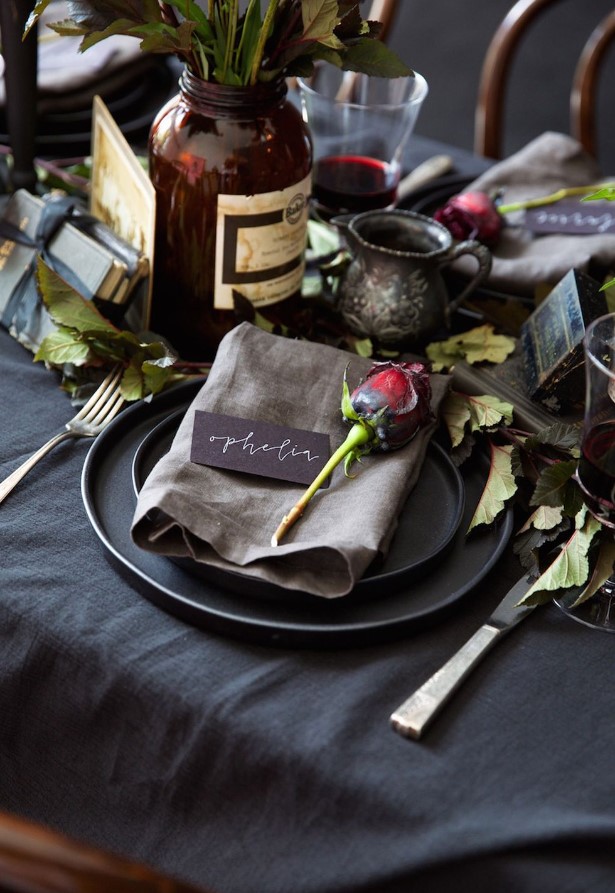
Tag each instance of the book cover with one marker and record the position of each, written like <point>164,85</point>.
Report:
<point>88,266</point>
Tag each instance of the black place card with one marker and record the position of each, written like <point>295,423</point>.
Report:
<point>257,447</point>
<point>572,217</point>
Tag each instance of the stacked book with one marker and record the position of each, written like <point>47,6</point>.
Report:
<point>85,252</point>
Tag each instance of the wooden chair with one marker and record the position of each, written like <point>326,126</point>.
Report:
<point>384,11</point>
<point>36,860</point>
<point>585,83</point>
<point>496,70</point>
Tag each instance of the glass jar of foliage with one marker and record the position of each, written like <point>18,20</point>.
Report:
<point>230,156</point>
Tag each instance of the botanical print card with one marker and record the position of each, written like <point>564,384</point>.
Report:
<point>122,194</point>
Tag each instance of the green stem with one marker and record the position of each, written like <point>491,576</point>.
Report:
<point>357,436</point>
<point>549,199</point>
<point>262,40</point>
<point>233,16</point>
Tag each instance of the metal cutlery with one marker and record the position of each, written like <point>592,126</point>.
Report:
<point>100,409</point>
<point>428,170</point>
<point>417,712</point>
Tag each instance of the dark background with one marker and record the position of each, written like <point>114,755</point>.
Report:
<point>446,42</point>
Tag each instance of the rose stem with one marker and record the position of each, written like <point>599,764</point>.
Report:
<point>358,435</point>
<point>547,199</point>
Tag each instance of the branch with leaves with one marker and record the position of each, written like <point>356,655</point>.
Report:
<point>84,342</point>
<point>570,551</point>
<point>221,45</point>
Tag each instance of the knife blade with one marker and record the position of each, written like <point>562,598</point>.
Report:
<point>416,713</point>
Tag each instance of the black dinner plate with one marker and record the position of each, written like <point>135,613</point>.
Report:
<point>109,498</point>
<point>413,551</point>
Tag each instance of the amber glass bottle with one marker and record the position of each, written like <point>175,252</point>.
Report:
<point>231,167</point>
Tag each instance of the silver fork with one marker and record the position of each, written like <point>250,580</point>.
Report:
<point>100,409</point>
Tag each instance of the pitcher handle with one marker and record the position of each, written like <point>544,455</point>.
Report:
<point>482,255</point>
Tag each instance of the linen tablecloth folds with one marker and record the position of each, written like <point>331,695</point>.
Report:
<point>226,519</point>
<point>522,260</point>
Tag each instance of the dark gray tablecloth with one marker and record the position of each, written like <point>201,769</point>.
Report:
<point>249,768</point>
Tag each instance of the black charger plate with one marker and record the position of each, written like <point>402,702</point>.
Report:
<point>109,498</point>
<point>413,551</point>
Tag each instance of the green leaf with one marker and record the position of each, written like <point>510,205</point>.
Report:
<point>319,18</point>
<point>84,336</point>
<point>60,347</point>
<point>487,412</point>
<point>483,412</point>
<point>528,544</point>
<point>323,239</point>
<point>66,306</point>
<point>375,58</point>
<point>555,487</point>
<point>570,567</point>
<point>132,383</point>
<point>156,373</point>
<point>500,486</point>
<point>475,346</point>
<point>563,436</point>
<point>348,410</point>
<point>455,412</point>
<point>607,192</point>
<point>545,517</point>
<point>602,570</point>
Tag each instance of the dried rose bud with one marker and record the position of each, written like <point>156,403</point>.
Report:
<point>471,215</point>
<point>386,411</point>
<point>393,399</point>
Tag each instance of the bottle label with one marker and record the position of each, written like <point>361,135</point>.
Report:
<point>260,245</point>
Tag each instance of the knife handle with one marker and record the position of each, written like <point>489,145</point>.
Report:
<point>415,714</point>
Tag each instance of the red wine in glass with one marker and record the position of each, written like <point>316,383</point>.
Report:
<point>354,183</point>
<point>596,472</point>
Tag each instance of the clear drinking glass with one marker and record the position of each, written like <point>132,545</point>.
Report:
<point>596,469</point>
<point>360,126</point>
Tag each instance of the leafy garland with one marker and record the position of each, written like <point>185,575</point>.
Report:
<point>85,342</point>
<point>568,549</point>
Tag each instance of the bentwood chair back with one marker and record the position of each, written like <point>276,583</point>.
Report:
<point>498,66</point>
<point>36,860</point>
<point>384,11</point>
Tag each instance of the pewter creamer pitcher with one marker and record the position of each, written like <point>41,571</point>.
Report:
<point>393,290</point>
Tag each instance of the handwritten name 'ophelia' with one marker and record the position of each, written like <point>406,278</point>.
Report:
<point>257,447</point>
<point>245,443</point>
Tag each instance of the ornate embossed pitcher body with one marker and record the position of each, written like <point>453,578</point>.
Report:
<point>393,290</point>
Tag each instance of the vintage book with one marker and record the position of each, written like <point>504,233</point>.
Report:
<point>84,252</point>
<point>552,341</point>
<point>92,264</point>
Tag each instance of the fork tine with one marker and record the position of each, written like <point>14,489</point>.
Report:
<point>108,410</point>
<point>99,398</point>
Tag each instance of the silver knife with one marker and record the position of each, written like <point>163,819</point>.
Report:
<point>428,170</point>
<point>415,714</point>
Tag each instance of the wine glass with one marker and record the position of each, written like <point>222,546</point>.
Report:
<point>360,126</point>
<point>596,468</point>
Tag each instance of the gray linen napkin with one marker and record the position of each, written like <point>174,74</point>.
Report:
<point>521,260</point>
<point>226,519</point>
